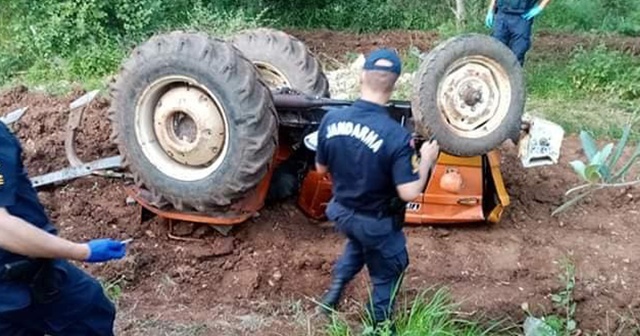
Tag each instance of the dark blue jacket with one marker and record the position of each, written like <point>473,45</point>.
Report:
<point>17,194</point>
<point>368,154</point>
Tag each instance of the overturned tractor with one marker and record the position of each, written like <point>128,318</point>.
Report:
<point>210,129</point>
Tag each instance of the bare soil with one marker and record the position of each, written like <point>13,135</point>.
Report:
<point>261,278</point>
<point>338,45</point>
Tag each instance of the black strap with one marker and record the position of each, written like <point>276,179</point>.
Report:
<point>23,270</point>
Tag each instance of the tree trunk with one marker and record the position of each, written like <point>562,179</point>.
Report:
<point>460,14</point>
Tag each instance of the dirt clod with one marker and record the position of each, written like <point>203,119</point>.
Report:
<point>183,229</point>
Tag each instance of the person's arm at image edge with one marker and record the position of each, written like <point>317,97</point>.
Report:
<point>20,237</point>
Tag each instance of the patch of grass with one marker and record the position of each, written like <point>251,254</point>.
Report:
<point>550,79</point>
<point>430,313</point>
<point>608,72</point>
<point>602,118</point>
<point>83,41</point>
<point>113,289</point>
<point>593,15</point>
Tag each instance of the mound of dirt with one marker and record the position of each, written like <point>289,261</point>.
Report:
<point>42,128</point>
<point>339,45</point>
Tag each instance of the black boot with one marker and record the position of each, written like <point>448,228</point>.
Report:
<point>332,297</point>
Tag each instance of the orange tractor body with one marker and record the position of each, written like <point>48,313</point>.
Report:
<point>481,196</point>
<point>475,201</point>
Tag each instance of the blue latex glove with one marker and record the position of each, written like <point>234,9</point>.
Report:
<point>105,250</point>
<point>532,13</point>
<point>488,21</point>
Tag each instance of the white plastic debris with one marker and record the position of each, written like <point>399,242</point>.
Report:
<point>536,327</point>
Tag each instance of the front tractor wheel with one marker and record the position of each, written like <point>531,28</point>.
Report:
<point>194,123</point>
<point>282,61</point>
<point>469,94</point>
<point>181,128</point>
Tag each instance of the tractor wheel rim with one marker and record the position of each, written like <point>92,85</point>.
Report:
<point>273,77</point>
<point>474,96</point>
<point>181,128</point>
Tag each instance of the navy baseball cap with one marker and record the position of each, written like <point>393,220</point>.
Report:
<point>384,54</point>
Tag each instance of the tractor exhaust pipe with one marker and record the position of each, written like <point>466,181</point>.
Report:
<point>295,101</point>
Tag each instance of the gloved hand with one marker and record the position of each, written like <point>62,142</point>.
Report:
<point>533,12</point>
<point>488,21</point>
<point>105,249</point>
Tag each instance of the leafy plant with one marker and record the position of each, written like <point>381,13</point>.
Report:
<point>563,323</point>
<point>601,169</point>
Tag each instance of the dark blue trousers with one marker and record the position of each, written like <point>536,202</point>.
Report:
<point>374,242</point>
<point>80,307</point>
<point>514,32</point>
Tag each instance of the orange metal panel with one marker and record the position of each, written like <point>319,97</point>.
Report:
<point>438,206</point>
<point>471,186</point>
<point>445,214</point>
<point>315,194</point>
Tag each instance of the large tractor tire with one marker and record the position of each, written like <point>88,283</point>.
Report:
<point>282,61</point>
<point>193,121</point>
<point>469,95</point>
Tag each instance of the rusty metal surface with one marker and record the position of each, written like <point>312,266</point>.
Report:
<point>193,217</point>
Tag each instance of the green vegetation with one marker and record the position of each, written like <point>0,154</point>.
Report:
<point>587,90</point>
<point>431,313</point>
<point>57,43</point>
<point>604,168</point>
<point>49,41</point>
<point>113,289</point>
<point>563,322</point>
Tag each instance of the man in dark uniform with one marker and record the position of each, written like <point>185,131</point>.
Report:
<point>513,23</point>
<point>369,156</point>
<point>40,292</point>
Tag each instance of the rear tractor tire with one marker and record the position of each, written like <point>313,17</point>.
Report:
<point>194,123</point>
<point>469,94</point>
<point>282,61</point>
